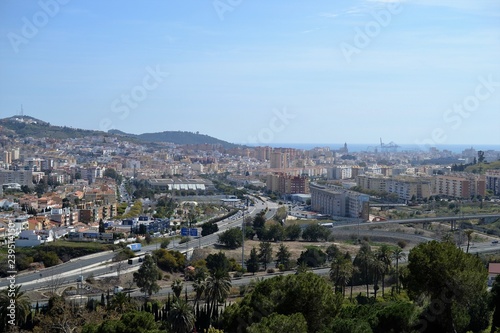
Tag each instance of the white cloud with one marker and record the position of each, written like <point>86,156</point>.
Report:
<point>331,15</point>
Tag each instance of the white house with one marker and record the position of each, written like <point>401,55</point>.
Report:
<point>28,238</point>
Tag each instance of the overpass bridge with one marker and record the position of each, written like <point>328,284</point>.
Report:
<point>451,219</point>
<point>387,205</point>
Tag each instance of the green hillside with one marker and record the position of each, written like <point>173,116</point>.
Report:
<point>482,167</point>
<point>31,127</point>
<point>25,126</point>
<point>183,138</point>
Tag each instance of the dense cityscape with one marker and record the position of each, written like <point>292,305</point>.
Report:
<point>231,166</point>
<point>156,227</point>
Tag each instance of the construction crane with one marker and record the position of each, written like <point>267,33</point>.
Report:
<point>388,147</point>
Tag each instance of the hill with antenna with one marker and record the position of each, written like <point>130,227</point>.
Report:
<point>26,126</point>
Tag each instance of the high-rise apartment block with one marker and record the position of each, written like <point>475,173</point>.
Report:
<point>406,187</point>
<point>339,172</point>
<point>21,177</point>
<point>459,185</point>
<point>280,160</point>
<point>493,181</point>
<point>7,157</point>
<point>285,184</point>
<point>336,201</point>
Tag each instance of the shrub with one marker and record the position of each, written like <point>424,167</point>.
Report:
<point>312,257</point>
<point>90,279</point>
<point>165,243</point>
<point>49,258</point>
<point>184,239</point>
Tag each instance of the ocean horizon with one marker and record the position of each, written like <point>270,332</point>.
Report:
<point>360,147</point>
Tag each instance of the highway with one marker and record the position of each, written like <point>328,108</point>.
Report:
<point>101,263</point>
<point>247,279</point>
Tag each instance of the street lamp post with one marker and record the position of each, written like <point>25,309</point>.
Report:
<point>243,238</point>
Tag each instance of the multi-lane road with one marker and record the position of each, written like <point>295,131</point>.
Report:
<point>101,263</point>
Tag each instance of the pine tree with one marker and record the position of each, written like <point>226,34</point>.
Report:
<point>253,262</point>
<point>147,275</point>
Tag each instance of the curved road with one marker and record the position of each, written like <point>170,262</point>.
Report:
<point>100,263</point>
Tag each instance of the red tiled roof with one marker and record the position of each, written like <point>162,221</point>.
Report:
<point>494,268</point>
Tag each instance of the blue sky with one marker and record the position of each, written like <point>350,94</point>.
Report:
<point>258,71</point>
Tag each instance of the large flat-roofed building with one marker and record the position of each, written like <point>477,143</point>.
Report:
<point>459,185</point>
<point>21,177</point>
<point>410,187</point>
<point>178,184</point>
<point>336,201</point>
<point>339,172</point>
<point>372,181</point>
<point>406,187</point>
<point>493,181</point>
<point>285,184</point>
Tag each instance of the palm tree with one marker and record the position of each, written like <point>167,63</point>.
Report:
<point>341,271</point>
<point>217,290</point>
<point>22,304</point>
<point>398,255</point>
<point>120,303</point>
<point>181,317</point>
<point>384,254</point>
<point>335,268</point>
<point>378,267</point>
<point>364,257</point>
<point>177,286</point>
<point>346,271</point>
<point>199,287</point>
<point>468,233</point>
<point>355,270</point>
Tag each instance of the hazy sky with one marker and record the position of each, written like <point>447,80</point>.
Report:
<point>254,71</point>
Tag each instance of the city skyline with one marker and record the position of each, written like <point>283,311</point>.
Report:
<point>412,72</point>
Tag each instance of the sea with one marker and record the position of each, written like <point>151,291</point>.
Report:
<point>361,147</point>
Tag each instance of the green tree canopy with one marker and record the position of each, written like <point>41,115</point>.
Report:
<point>293,232</point>
<point>445,275</point>
<point>231,238</point>
<point>208,228</point>
<point>217,262</point>
<point>265,253</point>
<point>253,262</point>
<point>147,275</point>
<point>275,232</point>
<point>312,257</point>
<point>171,261</point>
<point>295,323</point>
<point>314,233</point>
<point>181,317</point>
<point>308,294</point>
<point>283,257</point>
<point>130,322</point>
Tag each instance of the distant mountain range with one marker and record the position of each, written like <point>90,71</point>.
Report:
<point>26,126</point>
